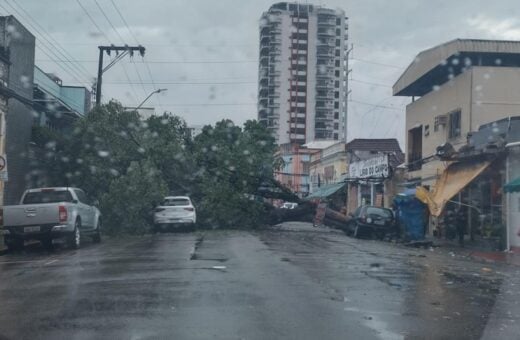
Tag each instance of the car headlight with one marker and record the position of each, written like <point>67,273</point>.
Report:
<point>369,220</point>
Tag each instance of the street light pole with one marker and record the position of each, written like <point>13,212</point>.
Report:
<point>151,94</point>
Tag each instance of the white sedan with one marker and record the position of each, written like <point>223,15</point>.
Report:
<point>176,211</point>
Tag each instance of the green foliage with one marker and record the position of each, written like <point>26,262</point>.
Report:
<point>130,164</point>
<point>128,204</point>
<point>232,164</point>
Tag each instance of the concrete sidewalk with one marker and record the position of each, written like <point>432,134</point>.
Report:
<point>475,250</point>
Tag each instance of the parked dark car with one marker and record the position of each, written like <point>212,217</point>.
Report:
<point>371,221</point>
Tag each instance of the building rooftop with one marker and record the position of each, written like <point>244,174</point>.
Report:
<point>437,65</point>
<point>48,89</point>
<point>379,145</point>
<point>320,144</point>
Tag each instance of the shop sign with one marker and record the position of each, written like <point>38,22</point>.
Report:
<point>376,167</point>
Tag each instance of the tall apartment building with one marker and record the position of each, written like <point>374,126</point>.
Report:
<point>303,73</point>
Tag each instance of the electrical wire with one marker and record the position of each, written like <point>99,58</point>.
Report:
<point>185,83</point>
<point>375,105</point>
<point>370,83</point>
<point>69,70</point>
<point>378,63</point>
<point>137,42</point>
<point>54,42</point>
<point>166,61</point>
<point>123,41</point>
<point>108,39</point>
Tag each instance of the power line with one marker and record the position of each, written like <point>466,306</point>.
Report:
<point>123,40</point>
<point>209,104</point>
<point>124,21</point>
<point>374,105</point>
<point>378,63</point>
<point>109,21</point>
<point>185,83</point>
<point>370,83</point>
<point>106,37</point>
<point>69,70</point>
<point>162,61</point>
<point>54,41</point>
<point>137,42</point>
<point>172,44</point>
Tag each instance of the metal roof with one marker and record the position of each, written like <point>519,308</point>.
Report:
<point>439,64</point>
<point>374,144</point>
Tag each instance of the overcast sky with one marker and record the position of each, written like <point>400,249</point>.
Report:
<point>205,51</point>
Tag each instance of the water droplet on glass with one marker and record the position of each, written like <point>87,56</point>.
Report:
<point>102,153</point>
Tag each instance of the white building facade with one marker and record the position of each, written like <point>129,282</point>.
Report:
<point>303,73</point>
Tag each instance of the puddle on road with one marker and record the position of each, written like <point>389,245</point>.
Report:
<point>376,324</point>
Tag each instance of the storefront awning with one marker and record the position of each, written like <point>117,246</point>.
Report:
<point>452,181</point>
<point>513,186</point>
<point>326,191</point>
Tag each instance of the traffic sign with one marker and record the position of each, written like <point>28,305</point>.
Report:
<point>3,168</point>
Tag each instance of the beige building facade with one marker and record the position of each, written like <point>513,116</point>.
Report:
<point>328,166</point>
<point>455,88</point>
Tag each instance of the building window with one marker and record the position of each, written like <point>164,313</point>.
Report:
<point>336,73</point>
<point>336,95</point>
<point>337,64</point>
<point>338,31</point>
<point>338,42</point>
<point>337,53</point>
<point>454,124</point>
<point>336,84</point>
<point>338,21</point>
<point>336,136</point>
<point>336,126</point>
<point>415,148</point>
<point>336,115</point>
<point>336,105</point>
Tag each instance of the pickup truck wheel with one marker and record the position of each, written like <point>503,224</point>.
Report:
<point>74,240</point>
<point>96,238</point>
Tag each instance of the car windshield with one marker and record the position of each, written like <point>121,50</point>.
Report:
<point>379,212</point>
<point>172,202</point>
<point>47,197</point>
<point>260,169</point>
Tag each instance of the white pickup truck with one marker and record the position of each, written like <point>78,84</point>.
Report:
<point>48,213</point>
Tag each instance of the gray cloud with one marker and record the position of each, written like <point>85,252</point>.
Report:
<point>386,32</point>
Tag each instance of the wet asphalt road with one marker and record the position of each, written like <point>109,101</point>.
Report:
<point>295,282</point>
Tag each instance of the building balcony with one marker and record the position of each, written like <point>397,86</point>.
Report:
<point>324,118</point>
<point>325,85</point>
<point>326,43</point>
<point>326,32</point>
<point>324,75</point>
<point>325,97</point>
<point>326,23</point>
<point>326,106</point>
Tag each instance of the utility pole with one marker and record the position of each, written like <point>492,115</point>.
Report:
<point>349,51</point>
<point>126,50</point>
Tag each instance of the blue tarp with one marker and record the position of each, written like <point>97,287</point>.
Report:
<point>411,215</point>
